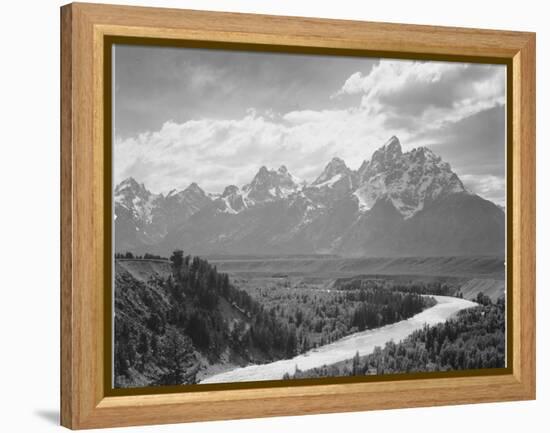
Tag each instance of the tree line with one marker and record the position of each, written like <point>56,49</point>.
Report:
<point>322,316</point>
<point>146,256</point>
<point>168,327</point>
<point>442,288</point>
<point>474,339</point>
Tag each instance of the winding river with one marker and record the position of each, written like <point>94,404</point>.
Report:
<point>345,348</point>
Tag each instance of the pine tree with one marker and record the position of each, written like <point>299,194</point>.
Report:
<point>356,364</point>
<point>178,360</point>
<point>143,345</point>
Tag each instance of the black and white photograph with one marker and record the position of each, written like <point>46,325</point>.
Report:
<point>282,216</point>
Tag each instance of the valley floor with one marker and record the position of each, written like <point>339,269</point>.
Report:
<point>345,348</point>
<point>315,303</point>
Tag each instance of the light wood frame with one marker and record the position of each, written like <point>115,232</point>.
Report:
<point>84,401</point>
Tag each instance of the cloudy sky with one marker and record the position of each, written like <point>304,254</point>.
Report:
<point>215,117</point>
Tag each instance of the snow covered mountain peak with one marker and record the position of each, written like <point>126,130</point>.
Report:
<point>130,188</point>
<point>379,209</point>
<point>390,151</point>
<point>130,194</point>
<point>336,167</point>
<point>135,199</point>
<point>383,159</point>
<point>408,179</point>
<point>231,201</point>
<point>270,185</point>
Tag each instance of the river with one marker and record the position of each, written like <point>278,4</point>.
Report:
<point>345,348</point>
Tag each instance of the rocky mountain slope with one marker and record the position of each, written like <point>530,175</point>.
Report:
<point>396,204</point>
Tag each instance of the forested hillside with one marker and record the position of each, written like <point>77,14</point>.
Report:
<point>168,329</point>
<point>177,328</point>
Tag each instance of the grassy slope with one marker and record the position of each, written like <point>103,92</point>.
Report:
<point>494,289</point>
<point>142,270</point>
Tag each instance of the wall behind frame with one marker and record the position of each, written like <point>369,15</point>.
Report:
<point>30,215</point>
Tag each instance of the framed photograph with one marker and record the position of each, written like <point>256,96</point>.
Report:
<point>267,215</point>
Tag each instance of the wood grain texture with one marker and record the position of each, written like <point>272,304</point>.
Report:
<point>524,216</point>
<point>83,400</point>
<point>67,394</point>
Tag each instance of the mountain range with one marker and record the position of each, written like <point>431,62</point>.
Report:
<point>396,204</point>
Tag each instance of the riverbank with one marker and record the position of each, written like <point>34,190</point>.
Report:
<point>345,348</point>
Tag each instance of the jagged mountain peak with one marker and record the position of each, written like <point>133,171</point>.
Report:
<point>264,172</point>
<point>335,168</point>
<point>337,162</point>
<point>392,146</point>
<point>388,153</point>
<point>231,201</point>
<point>424,152</point>
<point>142,217</point>
<point>229,190</point>
<point>407,179</point>
<point>269,185</point>
<point>131,186</point>
<point>193,188</point>
<point>129,181</point>
<point>375,210</point>
<point>192,192</point>
<point>134,201</point>
<point>384,158</point>
<point>133,196</point>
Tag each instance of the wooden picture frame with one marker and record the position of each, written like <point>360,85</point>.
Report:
<point>85,213</point>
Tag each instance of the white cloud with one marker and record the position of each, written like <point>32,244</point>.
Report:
<point>489,187</point>
<point>215,153</point>
<point>398,97</point>
<point>391,75</point>
<point>427,94</point>
<point>313,116</point>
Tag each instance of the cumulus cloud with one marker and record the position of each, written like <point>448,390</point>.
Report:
<point>424,103</point>
<point>181,153</point>
<point>427,94</point>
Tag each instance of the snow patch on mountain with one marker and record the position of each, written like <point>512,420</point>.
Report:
<point>409,180</point>
<point>134,197</point>
<point>328,183</point>
<point>334,168</point>
<point>333,213</point>
<point>270,185</point>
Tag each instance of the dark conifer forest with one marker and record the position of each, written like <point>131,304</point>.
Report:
<point>474,339</point>
<point>174,329</point>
